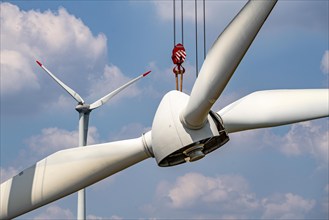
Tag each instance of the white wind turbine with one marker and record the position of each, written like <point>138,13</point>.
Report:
<point>184,127</point>
<point>84,112</point>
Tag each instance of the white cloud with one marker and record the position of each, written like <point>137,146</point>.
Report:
<point>67,47</point>
<point>111,79</point>
<point>194,195</point>
<point>16,72</point>
<point>310,15</point>
<point>165,10</point>
<point>64,103</point>
<point>304,138</point>
<point>95,217</point>
<point>55,212</point>
<point>225,9</point>
<point>232,191</point>
<point>325,62</point>
<point>208,197</point>
<point>287,206</point>
<point>129,131</point>
<point>6,173</point>
<point>325,202</point>
<point>52,36</point>
<point>307,138</point>
<point>54,139</point>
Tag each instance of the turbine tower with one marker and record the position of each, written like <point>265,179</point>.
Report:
<point>184,128</point>
<point>84,112</point>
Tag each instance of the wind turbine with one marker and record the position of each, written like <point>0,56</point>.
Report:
<point>84,112</point>
<point>184,127</point>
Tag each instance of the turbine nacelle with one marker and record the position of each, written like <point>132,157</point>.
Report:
<point>173,142</point>
<point>83,108</point>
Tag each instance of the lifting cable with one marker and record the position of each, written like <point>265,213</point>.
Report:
<point>196,37</point>
<point>196,34</point>
<point>174,21</point>
<point>204,29</point>
<point>178,53</point>
<point>182,20</point>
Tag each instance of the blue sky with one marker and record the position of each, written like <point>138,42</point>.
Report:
<point>96,46</point>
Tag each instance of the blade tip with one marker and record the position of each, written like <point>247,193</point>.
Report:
<point>38,62</point>
<point>145,74</point>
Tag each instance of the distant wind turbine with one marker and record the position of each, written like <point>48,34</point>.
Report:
<point>84,112</point>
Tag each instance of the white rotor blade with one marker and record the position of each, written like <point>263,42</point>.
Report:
<point>101,101</point>
<point>275,107</point>
<point>66,172</point>
<point>74,94</point>
<point>222,60</point>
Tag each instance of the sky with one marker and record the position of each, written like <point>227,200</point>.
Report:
<point>96,46</point>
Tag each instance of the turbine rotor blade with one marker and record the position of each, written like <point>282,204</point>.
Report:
<point>74,94</point>
<point>104,99</point>
<point>222,60</point>
<point>275,107</point>
<point>66,172</point>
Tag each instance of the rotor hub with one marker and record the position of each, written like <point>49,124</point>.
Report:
<point>173,143</point>
<point>194,153</point>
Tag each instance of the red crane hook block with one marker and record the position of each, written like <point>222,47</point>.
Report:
<point>178,57</point>
<point>178,54</point>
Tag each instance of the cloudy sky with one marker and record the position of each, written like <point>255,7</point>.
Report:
<point>96,46</point>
